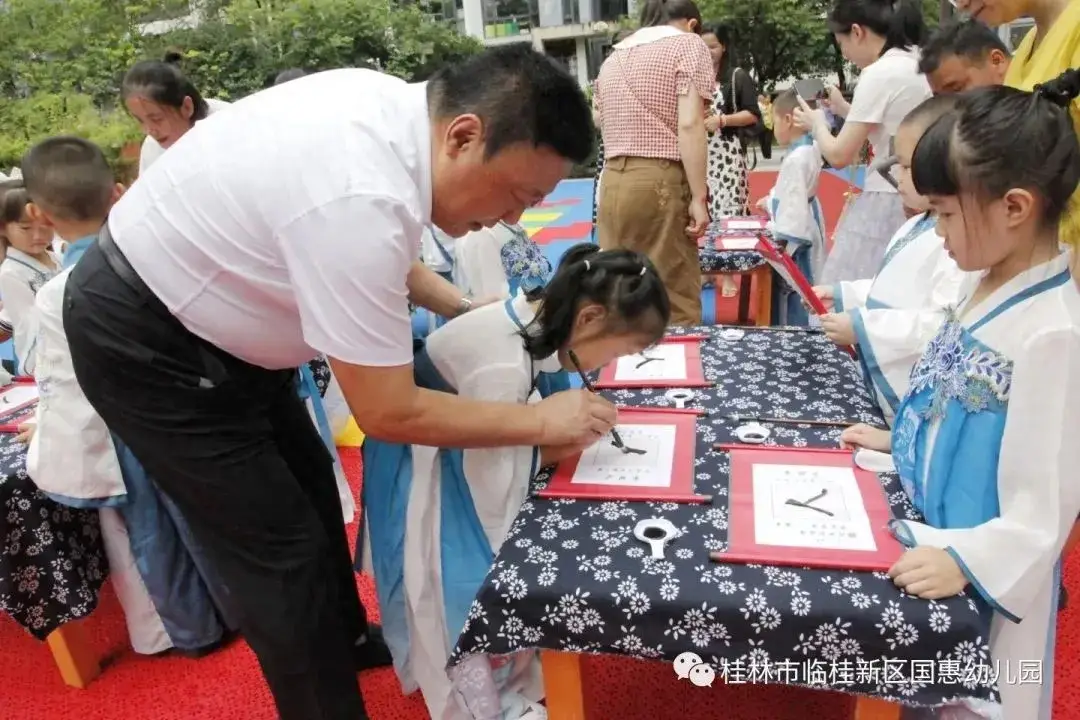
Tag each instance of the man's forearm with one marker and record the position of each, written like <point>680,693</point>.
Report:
<point>444,420</point>
<point>430,290</point>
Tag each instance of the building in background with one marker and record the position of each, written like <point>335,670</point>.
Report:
<point>575,32</point>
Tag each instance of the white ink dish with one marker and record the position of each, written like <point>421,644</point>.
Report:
<point>732,334</point>
<point>679,396</point>
<point>656,533</point>
<point>752,433</point>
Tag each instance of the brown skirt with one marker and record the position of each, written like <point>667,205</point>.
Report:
<point>645,206</point>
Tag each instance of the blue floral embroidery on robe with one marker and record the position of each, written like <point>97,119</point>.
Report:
<point>525,264</point>
<point>979,379</point>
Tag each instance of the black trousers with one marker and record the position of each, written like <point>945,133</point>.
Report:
<point>235,449</point>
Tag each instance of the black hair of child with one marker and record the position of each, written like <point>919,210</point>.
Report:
<point>163,82</point>
<point>1000,138</point>
<point>929,110</point>
<point>525,97</point>
<point>69,177</point>
<point>900,22</point>
<point>968,39</point>
<point>623,282</point>
<point>785,102</point>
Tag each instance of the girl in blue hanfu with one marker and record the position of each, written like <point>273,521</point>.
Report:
<point>893,316</point>
<point>984,441</point>
<point>434,518</point>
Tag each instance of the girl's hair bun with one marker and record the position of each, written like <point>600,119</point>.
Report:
<point>173,57</point>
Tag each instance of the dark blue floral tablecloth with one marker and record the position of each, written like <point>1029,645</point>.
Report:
<point>715,261</point>
<point>571,576</point>
<point>52,562</point>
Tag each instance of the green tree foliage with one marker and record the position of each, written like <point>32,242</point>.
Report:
<point>61,61</point>
<point>781,39</point>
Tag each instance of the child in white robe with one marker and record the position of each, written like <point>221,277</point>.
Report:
<point>495,262</point>
<point>29,263</point>
<point>795,213</point>
<point>892,317</point>
<point>75,460</point>
<point>436,517</point>
<point>984,439</point>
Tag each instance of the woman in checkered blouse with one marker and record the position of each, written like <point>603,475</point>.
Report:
<point>650,98</point>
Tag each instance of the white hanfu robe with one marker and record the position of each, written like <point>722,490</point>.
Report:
<point>793,206</point>
<point>895,314</point>
<point>21,276</point>
<point>72,454</point>
<point>984,445</point>
<point>436,518</point>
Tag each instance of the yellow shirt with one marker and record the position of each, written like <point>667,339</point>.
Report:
<point>1058,51</point>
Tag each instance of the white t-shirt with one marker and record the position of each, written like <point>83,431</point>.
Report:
<point>287,226</point>
<point>887,91</point>
<point>151,150</point>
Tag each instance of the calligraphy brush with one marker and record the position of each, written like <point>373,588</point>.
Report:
<point>791,421</point>
<point>616,440</point>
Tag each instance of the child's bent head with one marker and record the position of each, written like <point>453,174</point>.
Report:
<point>602,304</point>
<point>907,137</point>
<point>963,56</point>
<point>17,227</point>
<point>70,185</point>
<point>1000,170</point>
<point>783,109</point>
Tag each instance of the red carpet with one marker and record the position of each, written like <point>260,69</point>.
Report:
<point>227,685</point>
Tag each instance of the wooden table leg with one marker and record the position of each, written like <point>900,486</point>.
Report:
<point>867,708</point>
<point>764,288</point>
<point>745,281</point>
<point>563,690</point>
<point>73,654</point>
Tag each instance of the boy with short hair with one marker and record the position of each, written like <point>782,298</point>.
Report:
<point>795,213</point>
<point>963,55</point>
<point>74,458</point>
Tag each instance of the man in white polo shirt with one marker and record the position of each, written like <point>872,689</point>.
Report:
<point>288,226</point>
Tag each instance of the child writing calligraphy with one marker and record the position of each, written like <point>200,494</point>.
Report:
<point>983,440</point>
<point>894,315</point>
<point>28,264</point>
<point>74,458</point>
<point>437,517</point>
<point>793,206</point>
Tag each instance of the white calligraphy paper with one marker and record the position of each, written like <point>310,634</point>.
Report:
<point>666,361</point>
<point>17,394</point>
<point>605,464</point>
<point>809,506</point>
<point>739,243</point>
<point>743,225</point>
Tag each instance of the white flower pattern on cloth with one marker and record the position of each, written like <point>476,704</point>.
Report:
<point>956,367</point>
<point>570,575</point>
<point>714,260</point>
<point>52,561</point>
